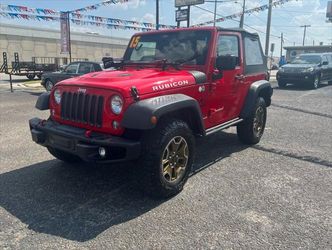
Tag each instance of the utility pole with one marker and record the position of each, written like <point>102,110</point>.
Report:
<point>281,43</point>
<point>215,13</point>
<point>157,14</point>
<point>268,27</point>
<point>304,32</point>
<point>188,21</point>
<point>242,17</point>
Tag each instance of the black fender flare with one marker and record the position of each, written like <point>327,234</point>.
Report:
<point>259,88</point>
<point>138,115</point>
<point>43,101</point>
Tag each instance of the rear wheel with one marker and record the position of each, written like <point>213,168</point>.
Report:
<point>167,158</point>
<point>30,76</point>
<point>63,156</point>
<point>39,76</point>
<point>49,85</point>
<point>282,84</point>
<point>252,128</point>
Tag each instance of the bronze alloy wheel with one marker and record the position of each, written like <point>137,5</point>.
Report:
<point>259,121</point>
<point>174,159</point>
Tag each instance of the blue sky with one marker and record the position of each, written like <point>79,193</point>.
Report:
<point>287,18</point>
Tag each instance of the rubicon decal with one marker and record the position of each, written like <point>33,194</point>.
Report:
<point>168,84</point>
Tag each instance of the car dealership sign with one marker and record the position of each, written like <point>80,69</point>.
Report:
<point>179,3</point>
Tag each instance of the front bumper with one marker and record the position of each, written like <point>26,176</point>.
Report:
<point>296,77</point>
<point>82,144</point>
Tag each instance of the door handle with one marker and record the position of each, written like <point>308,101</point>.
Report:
<point>240,77</point>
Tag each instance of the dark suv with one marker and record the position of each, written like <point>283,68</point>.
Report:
<point>49,79</point>
<point>307,69</point>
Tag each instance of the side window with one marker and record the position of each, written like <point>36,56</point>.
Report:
<point>84,68</point>
<point>329,57</point>
<point>96,67</point>
<point>324,59</point>
<point>228,45</point>
<point>72,68</point>
<point>253,52</point>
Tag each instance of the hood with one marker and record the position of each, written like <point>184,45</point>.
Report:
<point>145,80</point>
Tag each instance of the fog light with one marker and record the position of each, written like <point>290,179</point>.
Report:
<point>115,124</point>
<point>102,152</point>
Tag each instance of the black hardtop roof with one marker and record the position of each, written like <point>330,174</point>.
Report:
<point>237,30</point>
<point>240,30</point>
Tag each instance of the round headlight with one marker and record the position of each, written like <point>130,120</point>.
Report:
<point>57,96</point>
<point>116,104</point>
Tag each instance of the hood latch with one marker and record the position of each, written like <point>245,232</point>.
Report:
<point>134,93</point>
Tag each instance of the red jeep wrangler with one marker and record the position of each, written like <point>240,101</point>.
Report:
<point>171,86</point>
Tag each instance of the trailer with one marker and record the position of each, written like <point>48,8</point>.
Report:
<point>36,67</point>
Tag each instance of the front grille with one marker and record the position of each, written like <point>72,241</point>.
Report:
<point>82,108</point>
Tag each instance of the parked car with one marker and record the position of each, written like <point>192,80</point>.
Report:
<point>306,69</point>
<point>49,79</point>
<point>172,86</point>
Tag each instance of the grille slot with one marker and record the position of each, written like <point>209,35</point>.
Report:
<point>82,108</point>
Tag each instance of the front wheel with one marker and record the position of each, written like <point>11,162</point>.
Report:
<point>63,156</point>
<point>167,158</point>
<point>49,85</point>
<point>30,76</point>
<point>282,84</point>
<point>315,82</point>
<point>252,128</point>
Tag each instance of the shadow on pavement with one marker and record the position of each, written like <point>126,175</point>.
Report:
<point>297,87</point>
<point>79,202</point>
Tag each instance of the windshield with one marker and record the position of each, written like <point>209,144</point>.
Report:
<point>189,47</point>
<point>307,59</point>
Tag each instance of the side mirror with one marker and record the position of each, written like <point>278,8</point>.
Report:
<point>227,62</point>
<point>325,63</point>
<point>108,62</point>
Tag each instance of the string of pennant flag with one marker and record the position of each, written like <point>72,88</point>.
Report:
<point>74,21</point>
<point>10,12</point>
<point>18,8</point>
<point>248,11</point>
<point>120,21</point>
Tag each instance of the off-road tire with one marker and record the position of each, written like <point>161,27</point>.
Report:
<point>30,76</point>
<point>154,144</point>
<point>282,84</point>
<point>49,85</point>
<point>63,156</point>
<point>246,129</point>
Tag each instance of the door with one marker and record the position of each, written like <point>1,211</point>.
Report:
<point>325,68</point>
<point>224,87</point>
<point>85,68</point>
<point>70,71</point>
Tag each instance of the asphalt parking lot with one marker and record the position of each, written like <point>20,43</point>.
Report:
<point>277,194</point>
